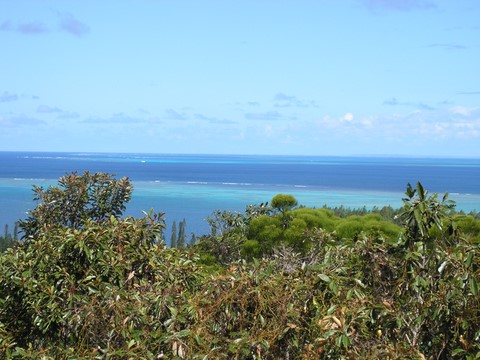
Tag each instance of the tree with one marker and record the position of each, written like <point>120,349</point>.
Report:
<point>91,254</point>
<point>193,239</point>
<point>284,203</point>
<point>268,231</point>
<point>76,199</point>
<point>6,242</point>
<point>173,238</point>
<point>181,234</point>
<point>224,222</point>
<point>254,211</point>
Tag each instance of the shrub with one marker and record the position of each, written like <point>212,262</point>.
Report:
<point>102,289</point>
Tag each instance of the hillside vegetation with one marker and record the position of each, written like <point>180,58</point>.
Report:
<point>279,281</point>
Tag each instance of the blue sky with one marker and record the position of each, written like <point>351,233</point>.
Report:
<point>323,77</point>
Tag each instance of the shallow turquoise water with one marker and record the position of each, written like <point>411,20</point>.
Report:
<point>197,201</point>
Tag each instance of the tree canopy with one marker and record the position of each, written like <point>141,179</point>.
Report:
<point>76,199</point>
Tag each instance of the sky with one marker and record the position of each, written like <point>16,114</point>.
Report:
<point>291,77</point>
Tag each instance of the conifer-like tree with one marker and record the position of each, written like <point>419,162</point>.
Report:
<point>173,239</point>
<point>181,234</point>
<point>6,241</point>
<point>15,231</point>
<point>193,239</point>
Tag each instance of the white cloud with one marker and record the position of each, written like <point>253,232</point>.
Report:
<point>348,117</point>
<point>268,129</point>
<point>443,124</point>
<point>462,110</point>
<point>366,122</point>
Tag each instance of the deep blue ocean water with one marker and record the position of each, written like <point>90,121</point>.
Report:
<point>192,186</point>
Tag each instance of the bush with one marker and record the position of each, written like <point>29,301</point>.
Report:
<point>102,288</point>
<point>319,218</point>
<point>352,226</point>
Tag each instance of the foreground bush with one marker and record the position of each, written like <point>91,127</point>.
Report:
<point>134,298</point>
<point>105,289</point>
<point>87,283</point>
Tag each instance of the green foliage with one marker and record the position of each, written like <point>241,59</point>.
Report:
<point>226,238</point>
<point>269,231</point>
<point>319,218</point>
<point>225,249</point>
<point>181,234</point>
<point>294,235</point>
<point>422,212</point>
<point>469,226</point>
<point>253,211</point>
<point>387,212</point>
<point>228,232</point>
<point>352,300</point>
<point>76,199</point>
<point>173,238</point>
<point>353,226</point>
<point>222,222</point>
<point>98,290</point>
<point>251,249</point>
<point>283,203</point>
<point>8,240</point>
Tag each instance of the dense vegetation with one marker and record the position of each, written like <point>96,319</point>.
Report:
<point>279,281</point>
<point>8,239</point>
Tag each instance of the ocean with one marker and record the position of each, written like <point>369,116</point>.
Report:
<point>191,187</point>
